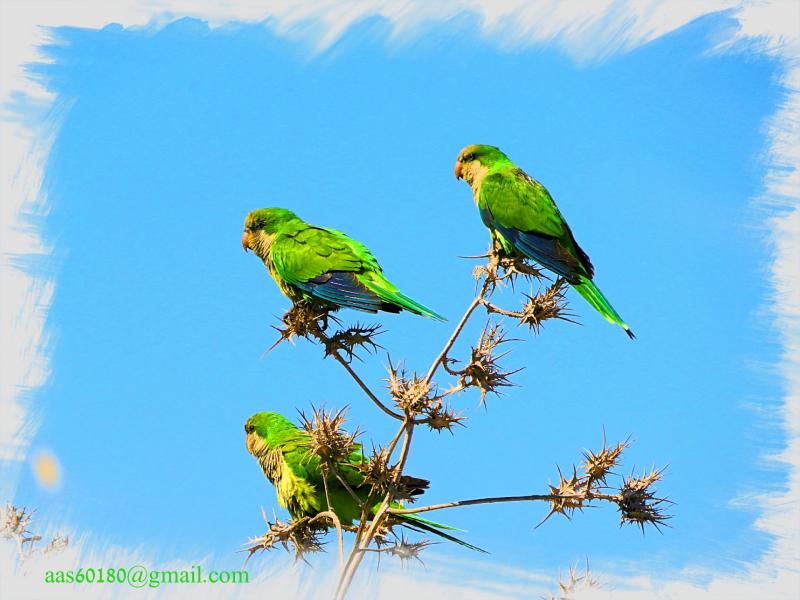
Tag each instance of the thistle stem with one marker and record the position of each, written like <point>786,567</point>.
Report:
<point>477,301</point>
<point>493,500</point>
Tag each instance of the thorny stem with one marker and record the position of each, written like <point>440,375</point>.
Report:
<point>363,540</point>
<point>338,524</point>
<point>359,547</point>
<point>368,504</point>
<point>477,301</point>
<point>320,335</point>
<point>335,518</point>
<point>364,387</point>
<point>492,308</point>
<point>532,498</point>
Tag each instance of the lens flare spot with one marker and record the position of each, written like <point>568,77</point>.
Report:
<point>47,470</point>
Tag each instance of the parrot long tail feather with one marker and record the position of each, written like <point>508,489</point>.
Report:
<point>419,524</point>
<point>401,300</point>
<point>600,303</point>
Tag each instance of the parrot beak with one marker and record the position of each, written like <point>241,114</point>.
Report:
<point>458,168</point>
<point>245,241</point>
<point>249,442</point>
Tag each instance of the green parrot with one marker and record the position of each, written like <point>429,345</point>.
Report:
<point>284,453</point>
<point>523,218</point>
<point>307,262</point>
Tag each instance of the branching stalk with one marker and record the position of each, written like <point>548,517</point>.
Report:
<point>420,401</point>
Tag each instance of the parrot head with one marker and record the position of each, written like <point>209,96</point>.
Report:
<point>475,161</point>
<point>261,430</point>
<point>261,224</point>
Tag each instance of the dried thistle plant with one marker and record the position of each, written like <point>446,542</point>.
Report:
<point>516,266</point>
<point>377,472</point>
<point>483,370</point>
<point>411,394</point>
<point>418,400</point>
<point>502,267</point>
<point>638,503</point>
<point>636,500</point>
<point>568,496</point>
<point>549,304</point>
<point>301,537</point>
<point>57,544</point>
<point>305,318</point>
<point>15,521</point>
<point>598,465</point>
<point>354,337</point>
<point>15,525</point>
<point>576,582</point>
<point>329,440</point>
<point>403,549</point>
<point>440,417</point>
<point>383,479</point>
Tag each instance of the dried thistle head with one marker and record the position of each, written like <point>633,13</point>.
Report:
<point>304,318</point>
<point>354,337</point>
<point>480,271</point>
<point>489,270</point>
<point>575,582</point>
<point>15,521</point>
<point>502,266</point>
<point>549,304</point>
<point>483,370</point>
<point>384,533</point>
<point>598,465</point>
<point>57,544</point>
<point>638,503</point>
<point>412,395</point>
<point>405,550</point>
<point>568,496</point>
<point>517,266</point>
<point>440,417</point>
<point>329,440</point>
<point>300,535</point>
<point>376,470</point>
<point>383,479</point>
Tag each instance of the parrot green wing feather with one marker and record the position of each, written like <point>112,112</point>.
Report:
<point>517,201</point>
<point>521,209</point>
<point>301,253</point>
<point>329,265</point>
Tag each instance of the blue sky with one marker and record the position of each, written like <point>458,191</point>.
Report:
<point>171,135</point>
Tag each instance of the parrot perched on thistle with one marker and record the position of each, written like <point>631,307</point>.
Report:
<point>524,219</point>
<point>310,262</point>
<point>284,452</point>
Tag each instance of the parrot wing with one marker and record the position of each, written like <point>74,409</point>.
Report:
<point>522,210</point>
<point>325,263</point>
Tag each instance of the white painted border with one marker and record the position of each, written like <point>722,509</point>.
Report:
<point>585,31</point>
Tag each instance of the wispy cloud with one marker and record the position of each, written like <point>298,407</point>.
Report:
<point>585,31</point>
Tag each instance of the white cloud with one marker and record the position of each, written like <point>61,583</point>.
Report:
<point>585,31</point>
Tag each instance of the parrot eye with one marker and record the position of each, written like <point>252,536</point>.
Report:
<point>470,157</point>
<point>249,428</point>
